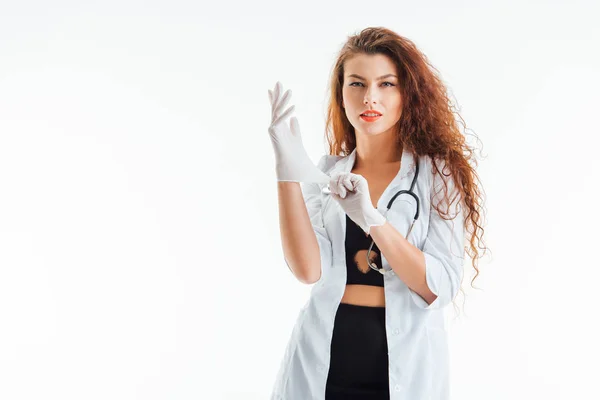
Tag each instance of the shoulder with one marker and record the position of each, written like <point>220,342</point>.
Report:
<point>438,177</point>
<point>434,167</point>
<point>425,164</point>
<point>429,161</point>
<point>443,186</point>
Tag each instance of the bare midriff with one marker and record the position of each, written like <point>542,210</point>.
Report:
<point>364,295</point>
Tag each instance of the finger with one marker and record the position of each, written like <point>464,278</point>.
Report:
<point>354,177</point>
<point>336,196</point>
<point>284,115</point>
<point>333,188</point>
<point>272,106</point>
<point>356,180</point>
<point>335,176</point>
<point>344,181</point>
<point>295,127</point>
<point>284,100</point>
<point>277,92</point>
<point>340,187</point>
<point>347,182</point>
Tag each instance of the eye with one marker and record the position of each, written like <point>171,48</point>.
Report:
<point>360,83</point>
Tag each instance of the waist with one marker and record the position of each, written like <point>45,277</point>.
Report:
<point>364,295</point>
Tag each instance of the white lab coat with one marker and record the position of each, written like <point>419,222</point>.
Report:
<point>416,332</point>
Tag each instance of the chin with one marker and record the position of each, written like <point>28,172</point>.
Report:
<point>370,134</point>
<point>372,131</point>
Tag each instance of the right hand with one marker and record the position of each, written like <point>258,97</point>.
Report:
<point>292,162</point>
<point>351,191</point>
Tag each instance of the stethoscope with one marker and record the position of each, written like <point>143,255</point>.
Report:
<point>411,193</point>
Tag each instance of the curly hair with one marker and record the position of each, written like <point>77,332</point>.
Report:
<point>427,125</point>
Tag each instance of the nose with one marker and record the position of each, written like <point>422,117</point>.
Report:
<point>369,98</point>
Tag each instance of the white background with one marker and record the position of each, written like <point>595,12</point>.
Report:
<point>140,255</point>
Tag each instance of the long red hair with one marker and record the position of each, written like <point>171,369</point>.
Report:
<point>427,125</point>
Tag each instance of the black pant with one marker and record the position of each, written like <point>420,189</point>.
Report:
<point>359,355</point>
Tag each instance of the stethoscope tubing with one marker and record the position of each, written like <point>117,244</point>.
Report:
<point>411,193</point>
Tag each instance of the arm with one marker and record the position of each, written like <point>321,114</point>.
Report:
<point>434,274</point>
<point>301,244</point>
<point>407,261</point>
<point>306,246</point>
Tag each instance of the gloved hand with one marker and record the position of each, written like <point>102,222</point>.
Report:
<point>292,162</point>
<point>351,191</point>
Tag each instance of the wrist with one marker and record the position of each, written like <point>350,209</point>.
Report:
<point>373,218</point>
<point>376,218</point>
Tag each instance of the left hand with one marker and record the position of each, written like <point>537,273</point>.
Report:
<point>292,163</point>
<point>351,191</point>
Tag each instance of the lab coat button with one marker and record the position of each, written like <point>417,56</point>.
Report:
<point>320,368</point>
<point>397,388</point>
<point>396,331</point>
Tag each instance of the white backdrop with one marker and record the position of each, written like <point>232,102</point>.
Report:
<point>140,255</point>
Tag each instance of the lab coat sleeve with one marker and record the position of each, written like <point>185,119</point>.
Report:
<point>313,196</point>
<point>444,246</point>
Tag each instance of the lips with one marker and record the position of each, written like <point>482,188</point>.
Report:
<point>370,119</point>
<point>378,114</point>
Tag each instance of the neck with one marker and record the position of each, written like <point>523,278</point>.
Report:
<point>376,153</point>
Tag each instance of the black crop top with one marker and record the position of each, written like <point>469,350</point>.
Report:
<point>357,246</point>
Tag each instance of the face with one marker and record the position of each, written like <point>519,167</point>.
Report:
<point>371,83</point>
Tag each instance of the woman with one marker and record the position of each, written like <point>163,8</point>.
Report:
<point>373,327</point>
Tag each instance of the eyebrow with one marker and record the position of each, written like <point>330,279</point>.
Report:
<point>381,77</point>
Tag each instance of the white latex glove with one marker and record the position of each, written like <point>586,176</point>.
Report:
<point>352,192</point>
<point>292,162</point>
